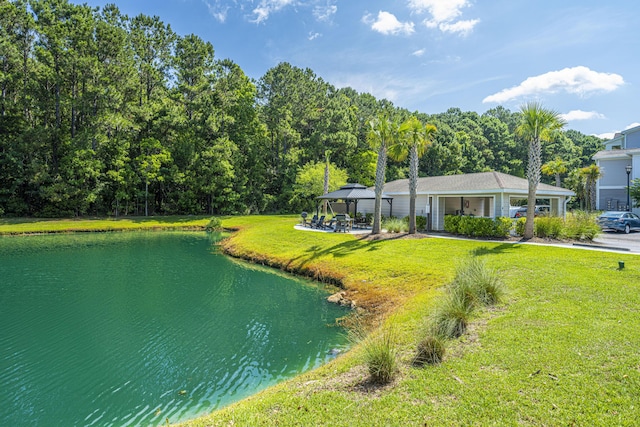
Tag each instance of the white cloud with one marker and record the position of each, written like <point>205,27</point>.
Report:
<point>387,23</point>
<point>419,52</point>
<point>266,7</point>
<point>216,10</point>
<point>575,115</point>
<point>325,13</point>
<point>463,28</point>
<point>610,135</point>
<point>577,80</point>
<point>313,36</point>
<point>444,15</point>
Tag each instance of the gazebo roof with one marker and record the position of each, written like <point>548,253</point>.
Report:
<point>353,191</point>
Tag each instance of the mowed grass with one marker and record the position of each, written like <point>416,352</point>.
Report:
<point>562,350</point>
<point>39,225</point>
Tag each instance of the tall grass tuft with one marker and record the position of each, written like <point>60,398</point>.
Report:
<point>431,351</point>
<point>378,346</point>
<point>395,225</point>
<point>551,227</point>
<point>478,283</point>
<point>380,355</point>
<point>581,225</point>
<point>451,317</point>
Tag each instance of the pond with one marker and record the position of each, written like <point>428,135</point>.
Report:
<point>140,328</point>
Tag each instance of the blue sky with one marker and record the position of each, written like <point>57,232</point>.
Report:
<point>578,57</point>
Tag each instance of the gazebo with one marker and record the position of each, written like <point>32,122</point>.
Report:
<point>352,193</point>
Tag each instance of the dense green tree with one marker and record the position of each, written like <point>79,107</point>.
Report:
<point>310,184</point>
<point>100,112</point>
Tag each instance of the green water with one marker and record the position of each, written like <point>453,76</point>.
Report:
<point>136,328</point>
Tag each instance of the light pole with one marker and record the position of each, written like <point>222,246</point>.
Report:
<point>628,169</point>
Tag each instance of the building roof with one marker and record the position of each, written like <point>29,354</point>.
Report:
<point>483,182</point>
<point>351,192</point>
<point>616,154</point>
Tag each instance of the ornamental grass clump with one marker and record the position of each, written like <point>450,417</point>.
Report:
<point>581,225</point>
<point>395,225</point>
<point>478,283</point>
<point>379,354</point>
<point>215,224</point>
<point>379,348</point>
<point>451,317</point>
<point>430,351</point>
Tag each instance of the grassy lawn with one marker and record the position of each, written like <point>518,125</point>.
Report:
<point>37,225</point>
<point>561,350</point>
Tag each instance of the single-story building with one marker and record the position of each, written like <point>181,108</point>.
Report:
<point>485,194</point>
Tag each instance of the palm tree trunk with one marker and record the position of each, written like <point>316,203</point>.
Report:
<point>380,178</point>
<point>533,176</point>
<point>413,187</point>
<point>326,185</point>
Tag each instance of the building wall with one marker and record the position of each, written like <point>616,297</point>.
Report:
<point>614,172</point>
<point>633,140</point>
<point>612,199</point>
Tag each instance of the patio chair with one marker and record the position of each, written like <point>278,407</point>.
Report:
<point>312,222</point>
<point>319,223</point>
<point>342,223</point>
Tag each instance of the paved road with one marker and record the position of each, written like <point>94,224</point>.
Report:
<point>612,239</point>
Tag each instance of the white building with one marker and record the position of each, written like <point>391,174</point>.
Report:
<point>621,153</point>
<point>485,194</point>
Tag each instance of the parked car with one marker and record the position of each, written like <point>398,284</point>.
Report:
<point>619,221</point>
<point>542,210</point>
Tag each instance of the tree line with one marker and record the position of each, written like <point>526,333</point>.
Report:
<point>106,114</point>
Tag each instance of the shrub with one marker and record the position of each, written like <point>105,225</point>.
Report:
<point>581,225</point>
<point>421,222</point>
<point>520,226</point>
<point>430,351</point>
<point>451,316</point>
<point>451,223</point>
<point>478,226</point>
<point>369,217</point>
<point>503,227</point>
<point>215,224</point>
<point>548,227</point>
<point>466,225</point>
<point>394,225</point>
<point>380,355</point>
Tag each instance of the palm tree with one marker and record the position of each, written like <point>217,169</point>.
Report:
<point>382,134</point>
<point>537,124</point>
<point>575,181</point>
<point>414,140</point>
<point>591,174</point>
<point>555,167</point>
<point>327,155</point>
